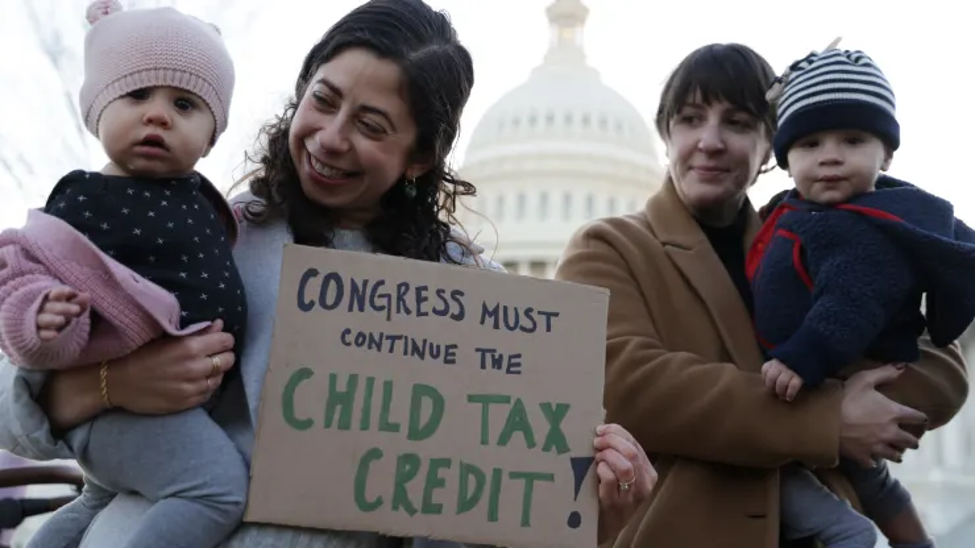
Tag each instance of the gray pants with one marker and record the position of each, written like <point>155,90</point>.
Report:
<point>808,509</point>
<point>185,463</point>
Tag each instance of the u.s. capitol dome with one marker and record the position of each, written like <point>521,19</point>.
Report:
<point>556,151</point>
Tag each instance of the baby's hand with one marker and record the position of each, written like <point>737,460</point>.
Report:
<point>60,307</point>
<point>779,378</point>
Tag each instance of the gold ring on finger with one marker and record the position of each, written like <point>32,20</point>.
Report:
<point>626,485</point>
<point>215,366</point>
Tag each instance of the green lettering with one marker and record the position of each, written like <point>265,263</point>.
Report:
<point>527,492</point>
<point>385,425</point>
<point>495,488</point>
<point>467,500</point>
<point>359,482</point>
<point>517,421</point>
<point>554,436</point>
<point>416,432</point>
<point>366,411</point>
<point>288,399</point>
<point>408,464</point>
<point>432,482</point>
<point>343,400</point>
<point>486,399</point>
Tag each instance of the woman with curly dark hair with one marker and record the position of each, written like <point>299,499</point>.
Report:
<point>364,143</point>
<point>357,161</point>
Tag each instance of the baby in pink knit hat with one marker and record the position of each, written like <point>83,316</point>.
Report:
<point>125,255</point>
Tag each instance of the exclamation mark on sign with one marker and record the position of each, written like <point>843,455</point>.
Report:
<point>580,466</point>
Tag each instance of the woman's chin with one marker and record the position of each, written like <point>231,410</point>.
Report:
<point>328,196</point>
<point>710,196</point>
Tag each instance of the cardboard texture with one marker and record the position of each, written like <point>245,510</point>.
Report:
<point>478,429</point>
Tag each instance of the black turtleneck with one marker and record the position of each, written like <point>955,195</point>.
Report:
<point>727,242</point>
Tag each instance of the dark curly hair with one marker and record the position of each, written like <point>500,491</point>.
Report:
<point>439,77</point>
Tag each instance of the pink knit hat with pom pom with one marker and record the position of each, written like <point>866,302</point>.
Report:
<point>129,50</point>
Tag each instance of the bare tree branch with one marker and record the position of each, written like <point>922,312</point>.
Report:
<point>50,40</point>
<point>7,162</point>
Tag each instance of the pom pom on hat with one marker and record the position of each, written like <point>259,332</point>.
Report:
<point>777,88</point>
<point>100,8</point>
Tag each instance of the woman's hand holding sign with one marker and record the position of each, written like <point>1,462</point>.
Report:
<point>626,478</point>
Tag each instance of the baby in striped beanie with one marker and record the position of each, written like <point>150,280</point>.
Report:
<point>137,251</point>
<point>839,271</point>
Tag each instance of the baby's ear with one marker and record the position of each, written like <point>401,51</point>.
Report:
<point>887,160</point>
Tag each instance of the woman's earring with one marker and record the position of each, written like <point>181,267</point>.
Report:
<point>410,188</point>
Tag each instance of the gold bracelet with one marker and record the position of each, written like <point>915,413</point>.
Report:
<point>103,378</point>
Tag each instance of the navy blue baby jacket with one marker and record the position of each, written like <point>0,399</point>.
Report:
<point>835,283</point>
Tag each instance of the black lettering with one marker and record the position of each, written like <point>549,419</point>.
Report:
<point>420,294</point>
<point>530,326</point>
<point>456,297</point>
<point>485,357</point>
<point>451,354</point>
<point>402,289</point>
<point>331,278</point>
<point>379,300</point>
<point>306,305</point>
<point>357,295</point>
<point>443,309</point>
<point>360,339</point>
<point>490,313</point>
<point>417,349</point>
<point>374,341</point>
<point>393,340</point>
<point>514,365</point>
<point>510,324</point>
<point>549,316</point>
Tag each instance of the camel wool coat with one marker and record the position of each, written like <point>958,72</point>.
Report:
<point>682,375</point>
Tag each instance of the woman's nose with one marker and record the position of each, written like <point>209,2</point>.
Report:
<point>332,138</point>
<point>711,139</point>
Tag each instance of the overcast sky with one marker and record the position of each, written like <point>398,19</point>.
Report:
<point>920,47</point>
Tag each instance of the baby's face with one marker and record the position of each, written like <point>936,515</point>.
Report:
<point>156,132</point>
<point>833,166</point>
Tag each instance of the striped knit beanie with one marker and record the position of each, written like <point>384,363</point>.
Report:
<point>126,50</point>
<point>834,90</point>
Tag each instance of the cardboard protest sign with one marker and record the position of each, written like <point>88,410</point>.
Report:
<point>412,398</point>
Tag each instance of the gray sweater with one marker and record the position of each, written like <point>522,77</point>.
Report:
<point>25,431</point>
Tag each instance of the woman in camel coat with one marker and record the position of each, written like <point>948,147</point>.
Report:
<point>683,365</point>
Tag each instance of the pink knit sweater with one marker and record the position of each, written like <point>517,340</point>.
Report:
<point>46,253</point>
